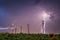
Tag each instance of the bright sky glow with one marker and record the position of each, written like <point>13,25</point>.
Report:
<point>3,28</point>
<point>6,28</point>
<point>45,15</point>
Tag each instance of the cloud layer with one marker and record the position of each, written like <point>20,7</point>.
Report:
<point>27,11</point>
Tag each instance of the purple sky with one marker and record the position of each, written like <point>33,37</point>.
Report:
<point>25,12</point>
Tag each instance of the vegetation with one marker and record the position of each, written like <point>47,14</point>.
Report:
<point>7,36</point>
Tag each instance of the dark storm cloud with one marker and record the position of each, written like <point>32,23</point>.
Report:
<point>37,1</point>
<point>10,9</point>
<point>12,6</point>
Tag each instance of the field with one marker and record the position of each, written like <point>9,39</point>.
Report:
<point>7,36</point>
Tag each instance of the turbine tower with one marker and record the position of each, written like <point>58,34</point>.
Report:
<point>43,27</point>
<point>15,30</point>
<point>28,28</point>
<point>20,29</point>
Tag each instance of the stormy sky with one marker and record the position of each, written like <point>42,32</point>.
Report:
<point>23,12</point>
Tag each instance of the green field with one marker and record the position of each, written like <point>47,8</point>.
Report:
<point>7,36</point>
